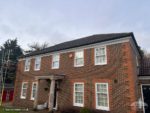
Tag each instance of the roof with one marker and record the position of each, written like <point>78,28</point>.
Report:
<point>82,42</point>
<point>145,67</point>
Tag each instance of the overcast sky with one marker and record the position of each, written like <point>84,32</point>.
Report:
<point>56,21</point>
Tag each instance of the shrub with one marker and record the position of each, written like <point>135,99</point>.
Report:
<point>85,110</point>
<point>81,110</point>
<point>99,111</point>
<point>69,110</point>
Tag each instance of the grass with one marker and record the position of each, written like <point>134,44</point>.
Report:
<point>2,110</point>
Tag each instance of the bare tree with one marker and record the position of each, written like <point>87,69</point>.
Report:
<point>36,46</point>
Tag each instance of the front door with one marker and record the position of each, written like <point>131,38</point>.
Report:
<point>146,97</point>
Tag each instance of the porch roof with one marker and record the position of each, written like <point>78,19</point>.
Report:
<point>51,76</point>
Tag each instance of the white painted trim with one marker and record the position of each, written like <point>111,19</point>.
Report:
<point>102,107</point>
<point>143,95</point>
<point>32,90</point>
<point>144,78</point>
<point>142,98</point>
<point>78,104</point>
<point>25,64</point>
<point>111,42</point>
<point>137,61</point>
<point>104,63</point>
<point>23,97</point>
<point>75,65</point>
<point>58,61</point>
<point>56,107</point>
<point>39,57</point>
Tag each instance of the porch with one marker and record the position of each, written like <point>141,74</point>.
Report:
<point>53,92</point>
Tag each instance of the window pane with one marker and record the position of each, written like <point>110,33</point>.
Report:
<point>79,61</point>
<point>79,87</point>
<point>37,66</point>
<point>79,97</point>
<point>100,55</point>
<point>24,85</point>
<point>34,90</point>
<point>100,59</point>
<point>102,95</point>
<point>102,51</point>
<point>79,58</point>
<point>55,61</point>
<point>55,64</point>
<point>37,62</point>
<point>24,90</point>
<point>55,57</point>
<point>27,64</point>
<point>79,54</point>
<point>79,91</point>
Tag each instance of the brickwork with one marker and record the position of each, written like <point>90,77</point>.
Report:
<point>119,73</point>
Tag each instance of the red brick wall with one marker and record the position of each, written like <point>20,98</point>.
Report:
<point>120,73</point>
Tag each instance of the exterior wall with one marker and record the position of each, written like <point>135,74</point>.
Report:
<point>119,73</point>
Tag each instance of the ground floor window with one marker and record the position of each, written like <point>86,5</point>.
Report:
<point>102,96</point>
<point>33,92</point>
<point>24,90</point>
<point>79,94</point>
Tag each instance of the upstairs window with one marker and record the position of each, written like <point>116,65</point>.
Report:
<point>27,64</point>
<point>37,63</point>
<point>102,97</point>
<point>55,61</point>
<point>79,94</point>
<point>100,56</point>
<point>79,58</point>
<point>34,88</point>
<point>24,90</point>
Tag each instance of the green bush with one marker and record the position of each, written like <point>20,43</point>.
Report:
<point>70,110</point>
<point>85,110</point>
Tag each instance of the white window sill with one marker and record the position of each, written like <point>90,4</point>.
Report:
<point>78,65</point>
<point>102,108</point>
<point>78,105</point>
<point>26,70</point>
<point>22,97</point>
<point>55,67</point>
<point>36,69</point>
<point>100,64</point>
<point>32,99</point>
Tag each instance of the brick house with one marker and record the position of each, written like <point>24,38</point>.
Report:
<point>98,72</point>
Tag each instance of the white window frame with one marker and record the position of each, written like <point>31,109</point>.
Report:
<point>27,64</point>
<point>21,96</point>
<point>106,108</point>
<point>75,65</point>
<point>97,63</point>
<point>74,101</point>
<point>137,61</point>
<point>32,98</point>
<point>54,55</point>
<point>36,59</point>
